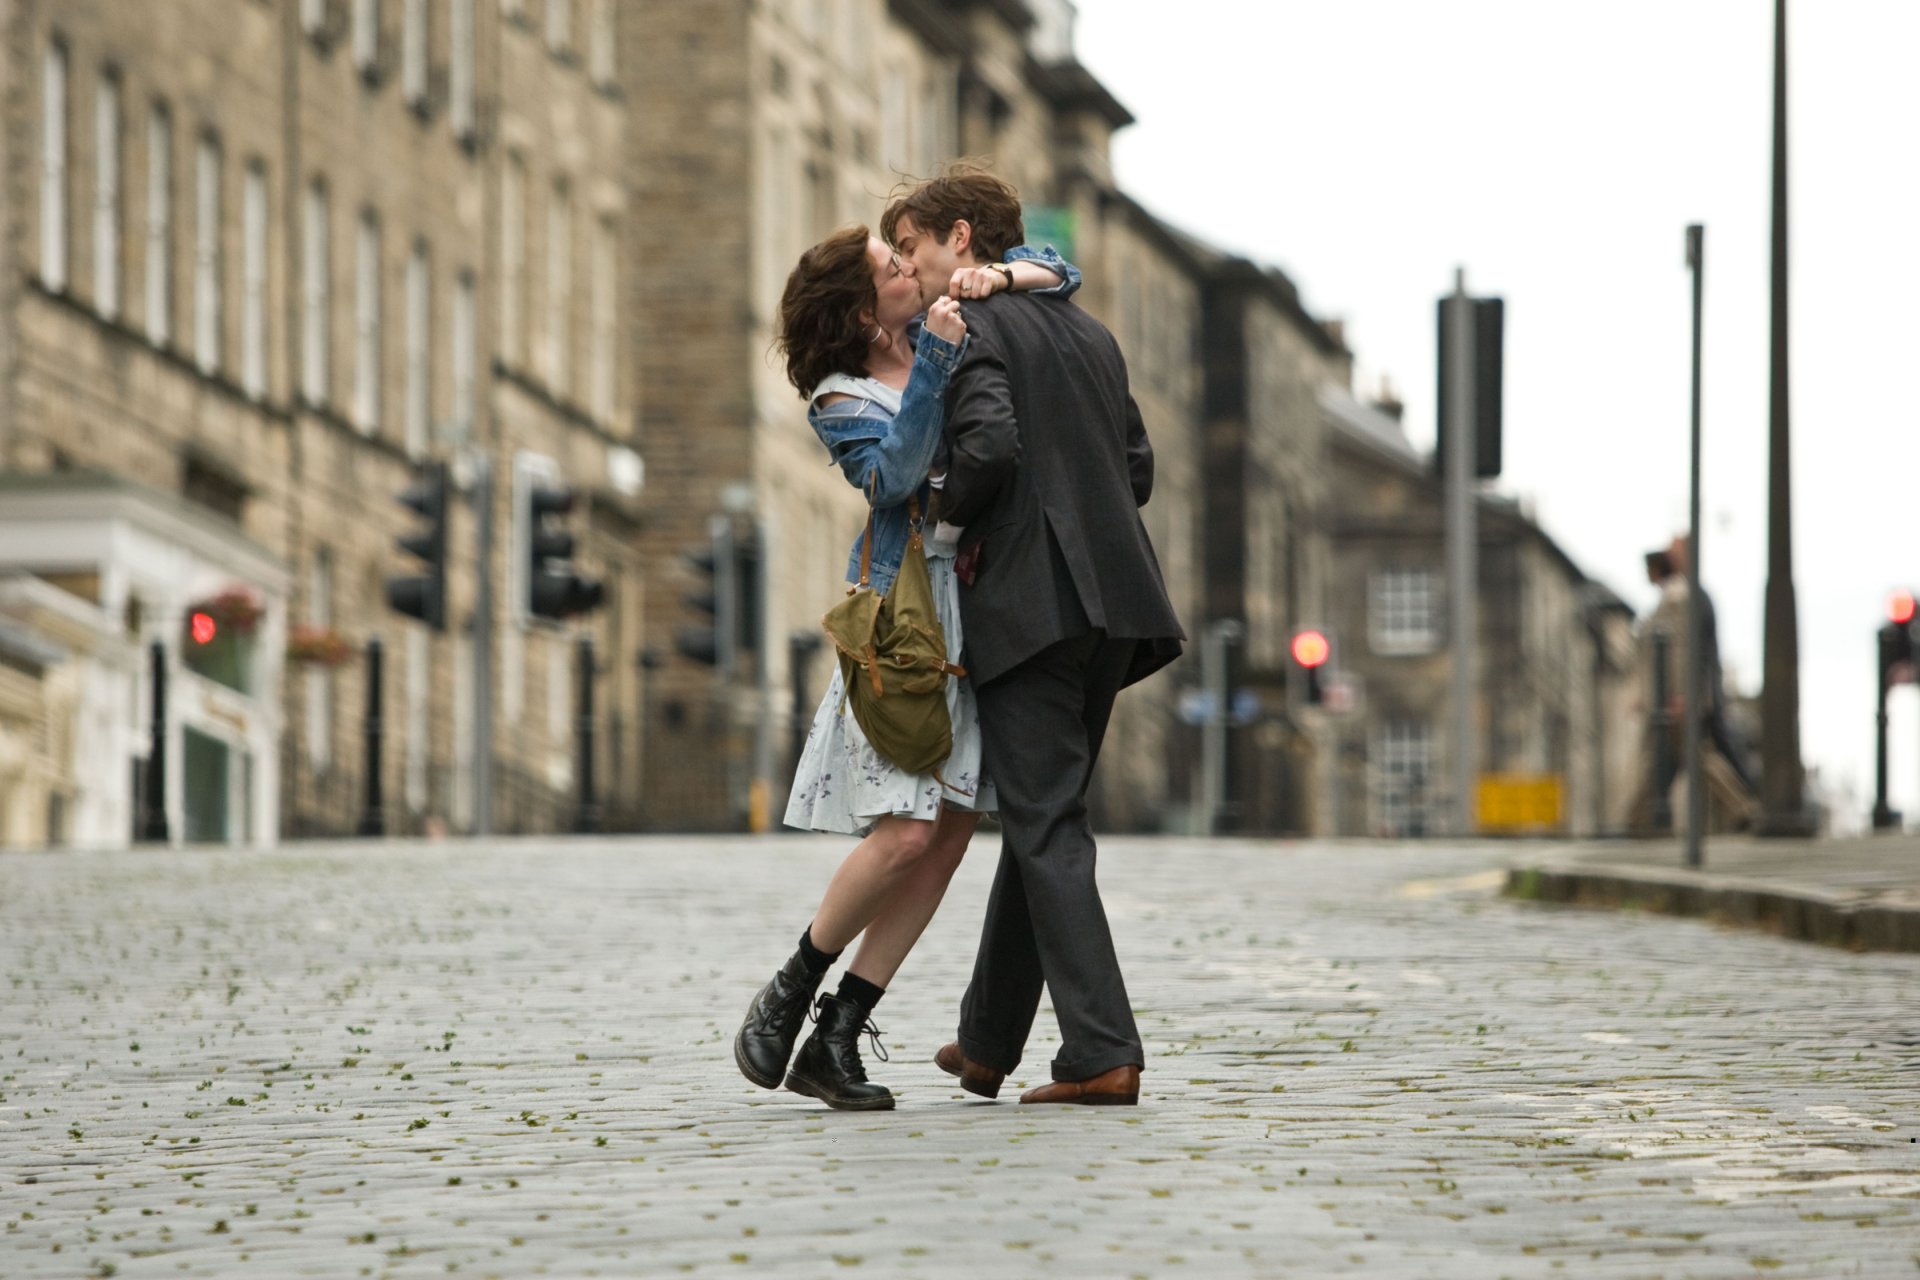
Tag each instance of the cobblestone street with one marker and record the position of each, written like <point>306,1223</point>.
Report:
<point>514,1060</point>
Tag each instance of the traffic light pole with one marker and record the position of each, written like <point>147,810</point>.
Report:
<point>483,646</point>
<point>1884,817</point>
<point>373,818</point>
<point>1697,692</point>
<point>586,817</point>
<point>1462,546</point>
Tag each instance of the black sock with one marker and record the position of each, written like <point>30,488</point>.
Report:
<point>816,960</point>
<point>857,991</point>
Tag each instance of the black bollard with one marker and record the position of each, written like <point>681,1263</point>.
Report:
<point>373,818</point>
<point>586,817</point>
<point>153,809</point>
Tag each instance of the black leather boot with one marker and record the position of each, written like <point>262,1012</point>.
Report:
<point>828,1064</point>
<point>765,1042</point>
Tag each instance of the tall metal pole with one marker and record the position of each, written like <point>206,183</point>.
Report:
<point>1885,818</point>
<point>1462,546</point>
<point>483,646</point>
<point>373,816</point>
<point>153,808</point>
<point>586,816</point>
<point>1698,695</point>
<point>1782,780</point>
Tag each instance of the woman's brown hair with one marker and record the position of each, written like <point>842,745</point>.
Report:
<point>821,330</point>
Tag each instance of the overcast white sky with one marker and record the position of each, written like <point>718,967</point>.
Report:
<point>1557,152</point>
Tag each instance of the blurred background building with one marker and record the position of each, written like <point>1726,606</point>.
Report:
<point>262,259</point>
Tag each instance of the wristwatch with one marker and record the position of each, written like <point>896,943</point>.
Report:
<point>1004,271</point>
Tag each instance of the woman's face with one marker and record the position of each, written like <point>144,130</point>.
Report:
<point>894,283</point>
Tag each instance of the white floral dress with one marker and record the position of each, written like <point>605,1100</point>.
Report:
<point>842,784</point>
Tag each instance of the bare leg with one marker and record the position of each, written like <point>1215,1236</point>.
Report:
<point>869,876</point>
<point>905,915</point>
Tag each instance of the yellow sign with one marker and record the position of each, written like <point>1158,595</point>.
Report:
<point>1520,801</point>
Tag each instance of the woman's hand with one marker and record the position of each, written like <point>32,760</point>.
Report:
<point>944,321</point>
<point>978,282</point>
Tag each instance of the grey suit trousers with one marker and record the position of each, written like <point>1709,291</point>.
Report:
<point>1042,724</point>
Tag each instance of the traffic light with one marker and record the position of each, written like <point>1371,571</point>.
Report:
<point>424,595</point>
<point>1488,324</point>
<point>1897,641</point>
<point>554,589</point>
<point>1312,655</point>
<point>710,641</point>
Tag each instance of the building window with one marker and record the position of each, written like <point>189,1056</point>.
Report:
<point>160,226</point>
<point>1402,618</point>
<point>106,197</point>
<point>315,299</point>
<point>253,277</point>
<point>463,355</point>
<point>559,287</point>
<point>413,54</point>
<point>460,75</point>
<point>513,259</point>
<point>53,168</point>
<point>366,324</point>
<point>206,255</point>
<point>1400,782</point>
<point>605,312</point>
<point>419,352</point>
<point>559,25</point>
<point>603,55</point>
<point>320,678</point>
<point>366,35</point>
<point>893,120</point>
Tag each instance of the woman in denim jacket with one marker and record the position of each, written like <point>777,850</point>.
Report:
<point>876,392</point>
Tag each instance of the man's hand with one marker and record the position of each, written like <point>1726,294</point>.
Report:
<point>945,322</point>
<point>978,282</point>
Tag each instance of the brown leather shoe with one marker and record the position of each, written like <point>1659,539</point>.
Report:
<point>1119,1087</point>
<point>974,1078</point>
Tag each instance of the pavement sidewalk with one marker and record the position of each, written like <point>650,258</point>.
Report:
<point>1861,893</point>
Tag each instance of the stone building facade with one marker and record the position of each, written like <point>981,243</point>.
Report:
<point>270,255</point>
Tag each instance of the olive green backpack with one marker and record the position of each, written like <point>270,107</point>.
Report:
<point>893,658</point>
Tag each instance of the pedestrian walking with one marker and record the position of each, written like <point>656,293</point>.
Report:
<point>1063,604</point>
<point>875,383</point>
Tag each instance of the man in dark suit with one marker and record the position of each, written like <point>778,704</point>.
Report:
<point>1063,605</point>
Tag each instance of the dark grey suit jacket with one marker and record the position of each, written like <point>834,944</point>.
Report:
<point>1048,465</point>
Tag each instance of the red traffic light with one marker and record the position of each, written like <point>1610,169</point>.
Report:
<point>1310,648</point>
<point>203,628</point>
<point>1900,608</point>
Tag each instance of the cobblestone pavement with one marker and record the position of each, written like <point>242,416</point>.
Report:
<point>513,1060</point>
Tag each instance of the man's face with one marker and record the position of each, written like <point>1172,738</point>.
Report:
<point>934,263</point>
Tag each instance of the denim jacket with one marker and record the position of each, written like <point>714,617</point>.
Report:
<point>897,450</point>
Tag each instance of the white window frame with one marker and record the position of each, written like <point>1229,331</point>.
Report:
<point>366,323</point>
<point>460,73</point>
<point>206,255</point>
<point>53,168</point>
<point>253,282</point>
<point>1403,612</point>
<point>316,295</point>
<point>159,263</point>
<point>106,196</point>
<point>559,25</point>
<point>513,260</point>
<point>463,355</point>
<point>366,35</point>
<point>604,305</point>
<point>413,53</point>
<point>559,288</point>
<point>419,393</point>
<point>320,677</point>
<point>1402,754</point>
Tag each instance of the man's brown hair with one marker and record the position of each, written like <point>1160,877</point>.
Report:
<point>964,189</point>
<point>821,331</point>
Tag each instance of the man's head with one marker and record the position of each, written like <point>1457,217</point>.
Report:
<point>966,217</point>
